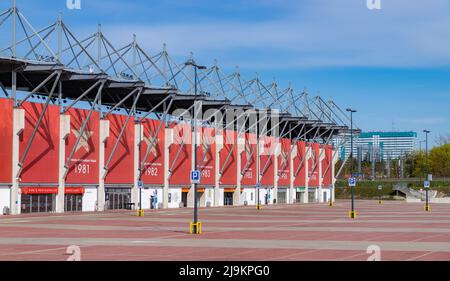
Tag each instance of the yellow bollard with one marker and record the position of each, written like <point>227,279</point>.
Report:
<point>352,215</point>
<point>258,207</point>
<point>195,228</point>
<point>427,208</point>
<point>140,213</point>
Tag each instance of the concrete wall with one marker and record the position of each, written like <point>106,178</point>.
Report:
<point>90,199</point>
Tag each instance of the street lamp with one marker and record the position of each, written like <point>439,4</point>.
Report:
<point>352,212</point>
<point>195,226</point>
<point>421,159</point>
<point>427,186</point>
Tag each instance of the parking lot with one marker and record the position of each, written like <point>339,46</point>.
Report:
<point>281,232</point>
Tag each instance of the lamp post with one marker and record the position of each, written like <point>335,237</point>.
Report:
<point>421,159</point>
<point>195,226</point>
<point>352,212</point>
<point>140,212</point>
<point>427,187</point>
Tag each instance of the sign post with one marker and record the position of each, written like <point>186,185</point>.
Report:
<point>140,186</point>
<point>195,177</point>
<point>352,184</point>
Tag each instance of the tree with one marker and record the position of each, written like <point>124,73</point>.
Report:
<point>439,160</point>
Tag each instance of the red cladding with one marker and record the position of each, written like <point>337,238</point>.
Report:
<point>41,163</point>
<point>313,165</point>
<point>300,164</point>
<point>83,167</point>
<point>206,156</point>
<point>326,166</point>
<point>153,171</point>
<point>284,161</point>
<point>182,166</point>
<point>121,166</point>
<point>248,161</point>
<point>6,112</point>
<point>267,157</point>
<point>229,168</point>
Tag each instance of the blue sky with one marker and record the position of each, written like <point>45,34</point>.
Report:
<point>393,64</point>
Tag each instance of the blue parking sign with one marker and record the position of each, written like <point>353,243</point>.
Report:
<point>195,176</point>
<point>352,182</point>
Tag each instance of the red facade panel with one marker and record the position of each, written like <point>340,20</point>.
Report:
<point>41,162</point>
<point>83,167</point>
<point>153,170</point>
<point>120,169</point>
<point>267,158</point>
<point>284,161</point>
<point>6,128</point>
<point>300,164</point>
<point>182,165</point>
<point>313,165</point>
<point>206,156</point>
<point>229,168</point>
<point>326,166</point>
<point>248,161</point>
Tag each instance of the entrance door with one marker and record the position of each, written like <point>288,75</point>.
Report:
<point>281,197</point>
<point>228,199</point>
<point>37,203</point>
<point>298,197</point>
<point>73,202</point>
<point>312,196</point>
<point>118,198</point>
<point>325,197</point>
<point>184,197</point>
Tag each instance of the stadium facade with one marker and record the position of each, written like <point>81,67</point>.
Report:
<point>84,127</point>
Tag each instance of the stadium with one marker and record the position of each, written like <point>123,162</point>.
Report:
<point>89,126</point>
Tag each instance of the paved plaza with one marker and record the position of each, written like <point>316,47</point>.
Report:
<point>276,233</point>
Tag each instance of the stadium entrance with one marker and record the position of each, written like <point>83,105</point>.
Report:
<point>73,199</point>
<point>118,198</point>
<point>282,195</point>
<point>38,199</point>
<point>228,196</point>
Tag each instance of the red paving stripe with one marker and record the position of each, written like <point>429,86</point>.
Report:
<point>285,218</point>
<point>194,254</point>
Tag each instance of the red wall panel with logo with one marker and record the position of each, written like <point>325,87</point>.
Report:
<point>229,174</point>
<point>267,158</point>
<point>313,165</point>
<point>206,156</point>
<point>326,166</point>
<point>121,167</point>
<point>248,164</point>
<point>83,167</point>
<point>183,165</point>
<point>299,173</point>
<point>41,162</point>
<point>284,161</point>
<point>6,127</point>
<point>153,170</point>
